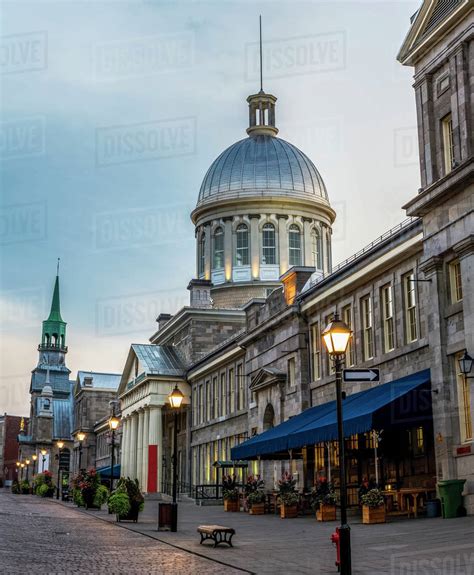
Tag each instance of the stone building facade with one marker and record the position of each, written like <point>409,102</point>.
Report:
<point>10,428</point>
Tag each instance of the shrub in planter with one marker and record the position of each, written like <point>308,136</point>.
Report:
<point>101,496</point>
<point>323,500</point>
<point>44,491</point>
<point>45,478</point>
<point>88,483</point>
<point>131,489</point>
<point>373,507</point>
<point>25,487</point>
<point>119,503</point>
<point>288,496</point>
<point>16,487</point>
<point>230,493</point>
<point>256,500</point>
<point>77,497</point>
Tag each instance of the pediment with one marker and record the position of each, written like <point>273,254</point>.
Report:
<point>266,377</point>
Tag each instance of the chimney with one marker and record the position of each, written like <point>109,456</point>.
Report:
<point>293,281</point>
<point>163,319</point>
<point>200,293</point>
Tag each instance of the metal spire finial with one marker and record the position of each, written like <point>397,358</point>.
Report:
<point>261,56</point>
<point>57,267</point>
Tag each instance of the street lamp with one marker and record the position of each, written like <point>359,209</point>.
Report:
<point>113,424</point>
<point>22,466</point>
<point>336,338</point>
<point>27,461</point>
<point>80,437</point>
<point>60,445</point>
<point>465,365</point>
<point>34,457</point>
<point>176,398</point>
<point>43,455</point>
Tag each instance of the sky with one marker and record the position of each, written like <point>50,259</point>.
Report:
<point>112,112</point>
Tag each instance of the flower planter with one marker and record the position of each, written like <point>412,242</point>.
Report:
<point>231,505</point>
<point>288,511</point>
<point>373,514</point>
<point>326,512</point>
<point>131,516</point>
<point>257,509</point>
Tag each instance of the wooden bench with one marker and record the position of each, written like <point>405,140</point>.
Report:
<point>217,533</point>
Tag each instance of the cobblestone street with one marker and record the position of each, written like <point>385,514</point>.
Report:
<point>41,536</point>
<point>38,536</point>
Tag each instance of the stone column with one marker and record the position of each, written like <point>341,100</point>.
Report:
<point>155,454</point>
<point>254,247</point>
<point>444,404</point>
<point>132,461</point>
<point>140,448</point>
<point>123,448</point>
<point>228,256</point>
<point>282,244</point>
<point>207,251</point>
<point>146,420</point>
<point>308,252</point>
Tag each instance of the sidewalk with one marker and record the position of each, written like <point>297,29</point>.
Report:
<point>270,545</point>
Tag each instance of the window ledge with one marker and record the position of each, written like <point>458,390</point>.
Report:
<point>453,309</point>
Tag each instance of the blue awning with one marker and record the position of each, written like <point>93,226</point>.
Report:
<point>105,472</point>
<point>403,402</point>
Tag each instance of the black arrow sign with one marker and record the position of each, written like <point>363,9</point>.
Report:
<point>361,375</point>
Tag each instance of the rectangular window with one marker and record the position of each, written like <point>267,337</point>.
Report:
<point>367,329</point>
<point>208,401</point>
<point>223,395</point>
<point>347,318</point>
<point>410,307</point>
<point>387,318</point>
<point>464,403</point>
<point>448,143</point>
<point>215,398</point>
<point>316,350</point>
<point>291,372</point>
<point>231,390</point>
<point>201,406</point>
<point>241,388</point>
<point>455,281</point>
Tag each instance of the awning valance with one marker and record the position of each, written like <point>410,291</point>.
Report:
<point>105,472</point>
<point>403,402</point>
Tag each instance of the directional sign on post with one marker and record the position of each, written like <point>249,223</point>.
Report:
<point>361,375</point>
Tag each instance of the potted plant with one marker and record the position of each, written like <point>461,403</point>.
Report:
<point>44,486</point>
<point>254,495</point>
<point>101,496</point>
<point>323,500</point>
<point>288,496</point>
<point>230,493</point>
<point>127,500</point>
<point>256,500</point>
<point>87,482</point>
<point>373,507</point>
<point>25,487</point>
<point>15,487</point>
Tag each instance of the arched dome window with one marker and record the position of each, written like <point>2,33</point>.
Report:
<point>218,259</point>
<point>268,245</point>
<point>294,244</point>
<point>202,254</point>
<point>316,249</point>
<point>242,246</point>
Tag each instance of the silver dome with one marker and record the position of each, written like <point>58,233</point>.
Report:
<point>262,165</point>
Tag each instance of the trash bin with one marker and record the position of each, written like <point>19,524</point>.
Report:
<point>433,508</point>
<point>165,515</point>
<point>450,493</point>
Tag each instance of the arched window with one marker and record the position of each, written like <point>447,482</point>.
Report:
<point>202,254</point>
<point>242,246</point>
<point>316,249</point>
<point>268,417</point>
<point>218,262</point>
<point>268,245</point>
<point>294,244</point>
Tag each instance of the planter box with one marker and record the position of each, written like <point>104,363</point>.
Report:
<point>230,505</point>
<point>326,513</point>
<point>257,509</point>
<point>373,514</point>
<point>131,516</point>
<point>288,511</point>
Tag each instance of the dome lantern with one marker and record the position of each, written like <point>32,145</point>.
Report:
<point>262,114</point>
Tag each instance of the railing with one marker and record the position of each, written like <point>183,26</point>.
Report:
<point>182,487</point>
<point>387,235</point>
<point>210,490</point>
<point>52,346</point>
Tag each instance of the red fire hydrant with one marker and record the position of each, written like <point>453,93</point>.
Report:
<point>336,540</point>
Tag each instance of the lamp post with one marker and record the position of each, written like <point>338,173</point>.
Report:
<point>27,462</point>
<point>80,437</point>
<point>34,457</point>
<point>43,456</point>
<point>336,337</point>
<point>176,398</point>
<point>113,424</point>
<point>17,469</point>
<point>22,466</point>
<point>60,445</point>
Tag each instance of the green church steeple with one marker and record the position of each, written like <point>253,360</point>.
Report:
<point>54,328</point>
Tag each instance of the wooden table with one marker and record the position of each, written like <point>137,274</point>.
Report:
<point>413,493</point>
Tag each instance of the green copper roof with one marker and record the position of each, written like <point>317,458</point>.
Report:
<point>55,313</point>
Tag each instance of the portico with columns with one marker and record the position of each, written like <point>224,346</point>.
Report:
<point>149,376</point>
